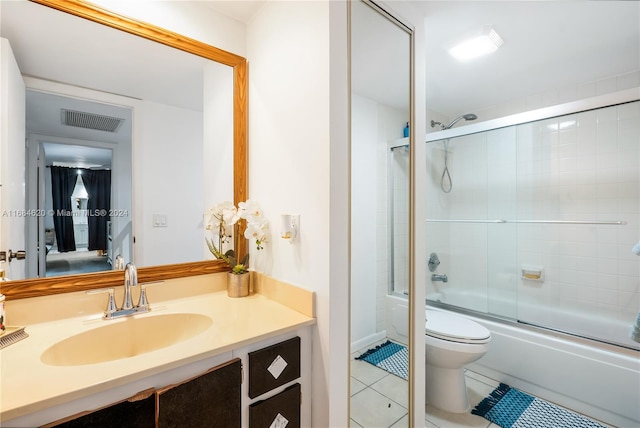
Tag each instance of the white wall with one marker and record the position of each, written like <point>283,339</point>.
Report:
<point>364,220</point>
<point>374,128</point>
<point>217,159</point>
<point>168,153</point>
<point>289,169</point>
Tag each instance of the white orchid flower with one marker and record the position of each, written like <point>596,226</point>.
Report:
<point>251,211</point>
<point>211,219</point>
<point>257,232</point>
<point>219,221</point>
<point>228,213</point>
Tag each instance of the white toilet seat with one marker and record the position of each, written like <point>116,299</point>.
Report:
<point>445,326</point>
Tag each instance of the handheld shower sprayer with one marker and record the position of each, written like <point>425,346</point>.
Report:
<point>468,116</point>
<point>446,184</point>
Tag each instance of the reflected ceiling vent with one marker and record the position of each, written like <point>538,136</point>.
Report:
<point>98,122</point>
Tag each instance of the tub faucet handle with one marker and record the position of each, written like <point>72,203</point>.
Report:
<point>433,262</point>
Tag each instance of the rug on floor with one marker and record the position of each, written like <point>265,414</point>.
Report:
<point>512,408</point>
<point>389,356</point>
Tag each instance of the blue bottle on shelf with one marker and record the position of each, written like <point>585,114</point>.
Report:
<point>406,130</point>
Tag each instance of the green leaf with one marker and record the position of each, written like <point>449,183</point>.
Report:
<point>245,260</point>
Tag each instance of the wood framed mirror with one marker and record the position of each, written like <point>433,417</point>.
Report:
<point>61,284</point>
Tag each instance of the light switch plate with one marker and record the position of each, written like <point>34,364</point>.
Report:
<point>160,220</point>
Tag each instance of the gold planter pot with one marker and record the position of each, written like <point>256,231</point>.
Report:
<point>238,285</point>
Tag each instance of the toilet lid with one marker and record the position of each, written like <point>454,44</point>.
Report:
<point>455,328</point>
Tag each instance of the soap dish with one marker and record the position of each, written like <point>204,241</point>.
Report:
<point>12,335</point>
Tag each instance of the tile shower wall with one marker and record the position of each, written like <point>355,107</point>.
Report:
<point>581,167</point>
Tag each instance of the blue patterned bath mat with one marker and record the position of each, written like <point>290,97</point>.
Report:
<point>511,408</point>
<point>389,356</point>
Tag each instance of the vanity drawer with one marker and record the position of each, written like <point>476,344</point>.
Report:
<point>282,409</point>
<point>273,366</point>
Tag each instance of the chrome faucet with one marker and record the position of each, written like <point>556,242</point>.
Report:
<point>127,308</point>
<point>130,280</point>
<point>436,277</point>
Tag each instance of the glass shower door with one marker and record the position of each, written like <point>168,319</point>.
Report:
<point>398,219</point>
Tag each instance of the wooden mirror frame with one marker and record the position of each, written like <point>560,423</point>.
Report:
<point>20,289</point>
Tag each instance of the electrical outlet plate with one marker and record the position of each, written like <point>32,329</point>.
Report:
<point>290,226</point>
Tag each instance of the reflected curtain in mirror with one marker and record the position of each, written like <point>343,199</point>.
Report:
<point>63,181</point>
<point>98,185</point>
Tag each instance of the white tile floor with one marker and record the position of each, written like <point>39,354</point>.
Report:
<point>379,400</point>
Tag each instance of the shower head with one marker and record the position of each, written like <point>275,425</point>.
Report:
<point>468,116</point>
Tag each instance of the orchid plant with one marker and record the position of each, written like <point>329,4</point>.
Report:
<point>221,221</point>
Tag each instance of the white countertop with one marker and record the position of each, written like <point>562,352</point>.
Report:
<point>28,385</point>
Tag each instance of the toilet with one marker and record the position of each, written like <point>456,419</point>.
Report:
<point>451,342</point>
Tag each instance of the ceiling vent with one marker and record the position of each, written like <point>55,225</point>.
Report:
<point>98,122</point>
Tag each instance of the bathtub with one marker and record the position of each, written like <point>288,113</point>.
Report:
<point>598,380</point>
<point>596,324</point>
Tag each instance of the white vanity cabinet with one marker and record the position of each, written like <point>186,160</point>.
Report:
<point>276,322</point>
<point>179,375</point>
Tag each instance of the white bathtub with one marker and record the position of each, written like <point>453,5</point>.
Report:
<point>595,325</point>
<point>598,380</point>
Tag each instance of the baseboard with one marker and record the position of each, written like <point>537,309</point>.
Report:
<point>367,341</point>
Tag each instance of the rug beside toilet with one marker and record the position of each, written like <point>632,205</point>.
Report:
<point>389,356</point>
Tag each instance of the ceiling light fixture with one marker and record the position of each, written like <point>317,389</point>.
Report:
<point>484,44</point>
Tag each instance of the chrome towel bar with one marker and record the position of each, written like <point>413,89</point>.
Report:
<point>587,222</point>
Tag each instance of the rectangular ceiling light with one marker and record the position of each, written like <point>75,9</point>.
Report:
<point>484,44</point>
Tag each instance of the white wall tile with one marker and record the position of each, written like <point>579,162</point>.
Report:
<point>629,80</point>
<point>606,86</point>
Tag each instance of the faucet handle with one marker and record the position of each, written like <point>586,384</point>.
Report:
<point>111,302</point>
<point>118,263</point>
<point>143,302</point>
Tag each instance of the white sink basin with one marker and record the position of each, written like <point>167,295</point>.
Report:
<point>125,337</point>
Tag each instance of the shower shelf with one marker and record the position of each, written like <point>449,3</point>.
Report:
<point>605,223</point>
